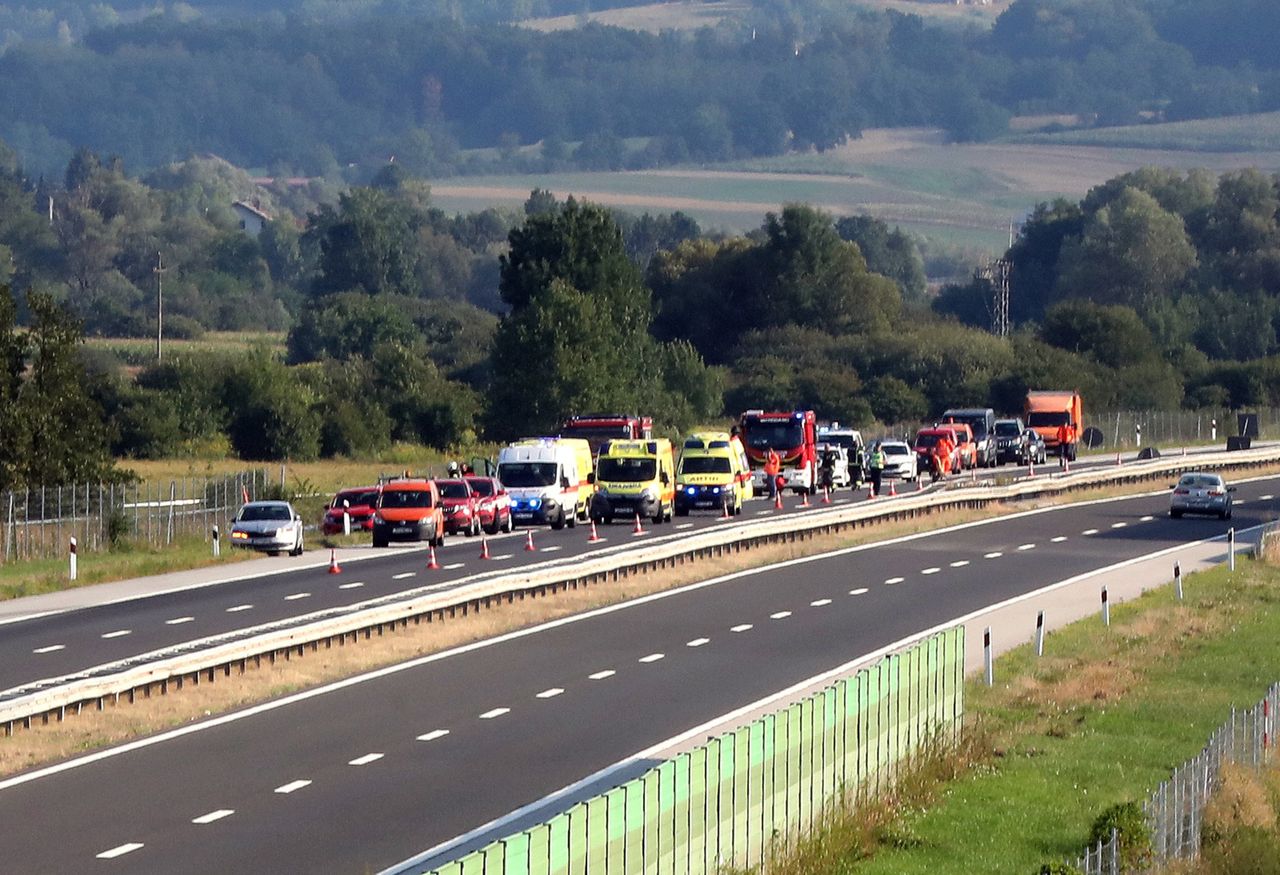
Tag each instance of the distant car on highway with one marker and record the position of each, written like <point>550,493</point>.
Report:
<point>1201,492</point>
<point>268,526</point>
<point>900,460</point>
<point>360,503</point>
<point>494,504</point>
<point>408,510</point>
<point>1011,441</point>
<point>461,507</point>
<point>1036,452</point>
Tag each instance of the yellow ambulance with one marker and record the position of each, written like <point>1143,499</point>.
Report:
<point>635,478</point>
<point>713,473</point>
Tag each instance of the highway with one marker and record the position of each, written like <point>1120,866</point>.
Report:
<point>364,774</point>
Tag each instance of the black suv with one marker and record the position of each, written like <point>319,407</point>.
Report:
<point>1011,441</point>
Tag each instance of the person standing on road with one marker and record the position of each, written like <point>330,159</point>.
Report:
<point>1064,440</point>
<point>877,468</point>
<point>946,454</point>
<point>772,468</point>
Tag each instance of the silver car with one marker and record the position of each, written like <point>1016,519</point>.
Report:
<point>899,460</point>
<point>1198,492</point>
<point>270,526</point>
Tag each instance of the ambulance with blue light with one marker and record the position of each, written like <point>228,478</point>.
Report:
<point>713,474</point>
<point>548,479</point>
<point>635,478</point>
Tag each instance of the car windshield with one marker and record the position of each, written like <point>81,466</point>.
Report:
<point>1007,429</point>
<point>355,499</point>
<point>481,487</point>
<point>626,470</point>
<point>977,422</point>
<point>895,449</point>
<point>705,465</point>
<point>926,439</point>
<point>524,475</point>
<point>1200,481</point>
<point>778,435</point>
<point>1045,418</point>
<point>452,489</point>
<point>839,440</point>
<point>393,498</point>
<point>256,513</point>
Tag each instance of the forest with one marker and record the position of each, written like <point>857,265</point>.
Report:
<point>333,90</point>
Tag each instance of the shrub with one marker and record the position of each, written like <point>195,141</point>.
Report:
<point>1059,869</point>
<point>1239,802</point>
<point>1130,825</point>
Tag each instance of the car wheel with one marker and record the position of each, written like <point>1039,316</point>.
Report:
<point>492,528</point>
<point>572,522</point>
<point>558,522</point>
<point>297,548</point>
<point>1175,514</point>
<point>379,542</point>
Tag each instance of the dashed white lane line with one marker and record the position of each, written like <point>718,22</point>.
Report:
<point>1058,540</point>
<point>1265,497</point>
<point>601,675</point>
<point>1146,519</point>
<point>894,580</point>
<point>763,512</point>
<point>356,585</point>
<point>553,548</point>
<point>453,566</point>
<point>178,621</point>
<point>996,555</point>
<point>697,642</point>
<point>119,633</point>
<point>550,694</point>
<point>50,649</point>
<point>652,657</point>
<point>239,608</point>
<point>960,563</point>
<point>685,526</point>
<point>120,851</point>
<point>433,735</point>
<point>500,557</point>
<point>819,603</point>
<point>214,816</point>
<point>366,759</point>
<point>780,615</point>
<point>741,627</point>
<point>1089,532</point>
<point>402,575</point>
<point>292,786</point>
<point>296,596</point>
<point>862,590</point>
<point>1118,525</point>
<point>933,570</point>
<point>1026,546</point>
<point>496,712</point>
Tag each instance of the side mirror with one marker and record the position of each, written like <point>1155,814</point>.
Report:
<point>664,478</point>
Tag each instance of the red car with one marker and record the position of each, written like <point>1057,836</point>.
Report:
<point>461,507</point>
<point>361,502</point>
<point>494,504</point>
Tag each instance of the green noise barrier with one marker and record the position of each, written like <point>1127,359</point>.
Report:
<point>733,800</point>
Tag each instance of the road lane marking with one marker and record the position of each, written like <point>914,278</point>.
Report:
<point>893,580</point>
<point>356,585</point>
<point>933,570</point>
<point>552,548</point>
<point>862,590</point>
<point>50,649</point>
<point>214,815</point>
<point>685,526</point>
<point>601,675</point>
<point>292,786</point>
<point>781,615</point>
<point>119,633</point>
<point>433,735</point>
<point>120,851</point>
<point>296,596</point>
<point>763,512</point>
<point>1089,532</point>
<point>500,556</point>
<point>178,621</point>
<point>960,563</point>
<point>697,642</point>
<point>819,603</point>
<point>496,712</point>
<point>551,693</point>
<point>1265,497</point>
<point>652,657</point>
<point>741,627</point>
<point>1146,519</point>
<point>1026,546</point>
<point>1118,525</point>
<point>403,575</point>
<point>996,555</point>
<point>366,759</point>
<point>454,565</point>
<point>1058,540</point>
<point>239,608</point>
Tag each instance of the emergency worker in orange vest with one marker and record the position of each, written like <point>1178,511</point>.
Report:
<point>1066,437</point>
<point>772,468</point>
<point>946,452</point>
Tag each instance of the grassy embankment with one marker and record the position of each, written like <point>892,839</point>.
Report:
<point>1101,719</point>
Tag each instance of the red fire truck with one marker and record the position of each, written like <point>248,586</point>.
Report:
<point>597,428</point>
<point>793,436</point>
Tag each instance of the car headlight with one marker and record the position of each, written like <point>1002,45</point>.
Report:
<point>379,519</point>
<point>649,494</point>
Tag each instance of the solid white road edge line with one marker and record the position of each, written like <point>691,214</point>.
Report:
<point>253,711</point>
<point>703,728</point>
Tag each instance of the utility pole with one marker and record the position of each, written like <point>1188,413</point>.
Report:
<point>996,275</point>
<point>159,270</point>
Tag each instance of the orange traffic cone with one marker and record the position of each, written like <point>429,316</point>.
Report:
<point>1031,468</point>
<point>431,557</point>
<point>871,491</point>
<point>334,568</point>
<point>826,495</point>
<point>484,546</point>
<point>893,490</point>
<point>528,542</point>
<point>1066,464</point>
<point>804,497</point>
<point>777,500</point>
<point>639,527</point>
<point>727,513</point>
<point>595,536</point>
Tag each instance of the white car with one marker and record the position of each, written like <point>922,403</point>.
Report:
<point>269,526</point>
<point>899,460</point>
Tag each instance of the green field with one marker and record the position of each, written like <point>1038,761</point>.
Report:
<point>139,351</point>
<point>1241,133</point>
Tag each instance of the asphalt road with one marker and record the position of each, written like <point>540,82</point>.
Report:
<point>367,774</point>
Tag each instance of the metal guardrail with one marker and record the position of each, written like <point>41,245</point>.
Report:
<point>207,659</point>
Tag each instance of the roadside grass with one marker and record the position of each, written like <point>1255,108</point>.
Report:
<point>1258,132</point>
<point>139,351</point>
<point>1101,719</point>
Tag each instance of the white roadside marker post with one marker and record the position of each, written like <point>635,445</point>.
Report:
<point>1106,608</point>
<point>1177,579</point>
<point>986,656</point>
<point>217,543</point>
<point>71,558</point>
<point>346,517</point>
<point>1040,634</point>
<point>1231,549</point>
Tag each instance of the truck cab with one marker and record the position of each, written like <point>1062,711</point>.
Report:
<point>596,428</point>
<point>790,434</point>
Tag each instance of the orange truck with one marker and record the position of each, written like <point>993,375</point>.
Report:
<point>1047,411</point>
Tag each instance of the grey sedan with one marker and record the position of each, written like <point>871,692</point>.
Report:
<point>270,526</point>
<point>1198,492</point>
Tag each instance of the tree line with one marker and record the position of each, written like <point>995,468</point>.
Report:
<point>450,92</point>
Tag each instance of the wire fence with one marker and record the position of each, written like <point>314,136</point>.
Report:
<point>1103,858</point>
<point>40,522</point>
